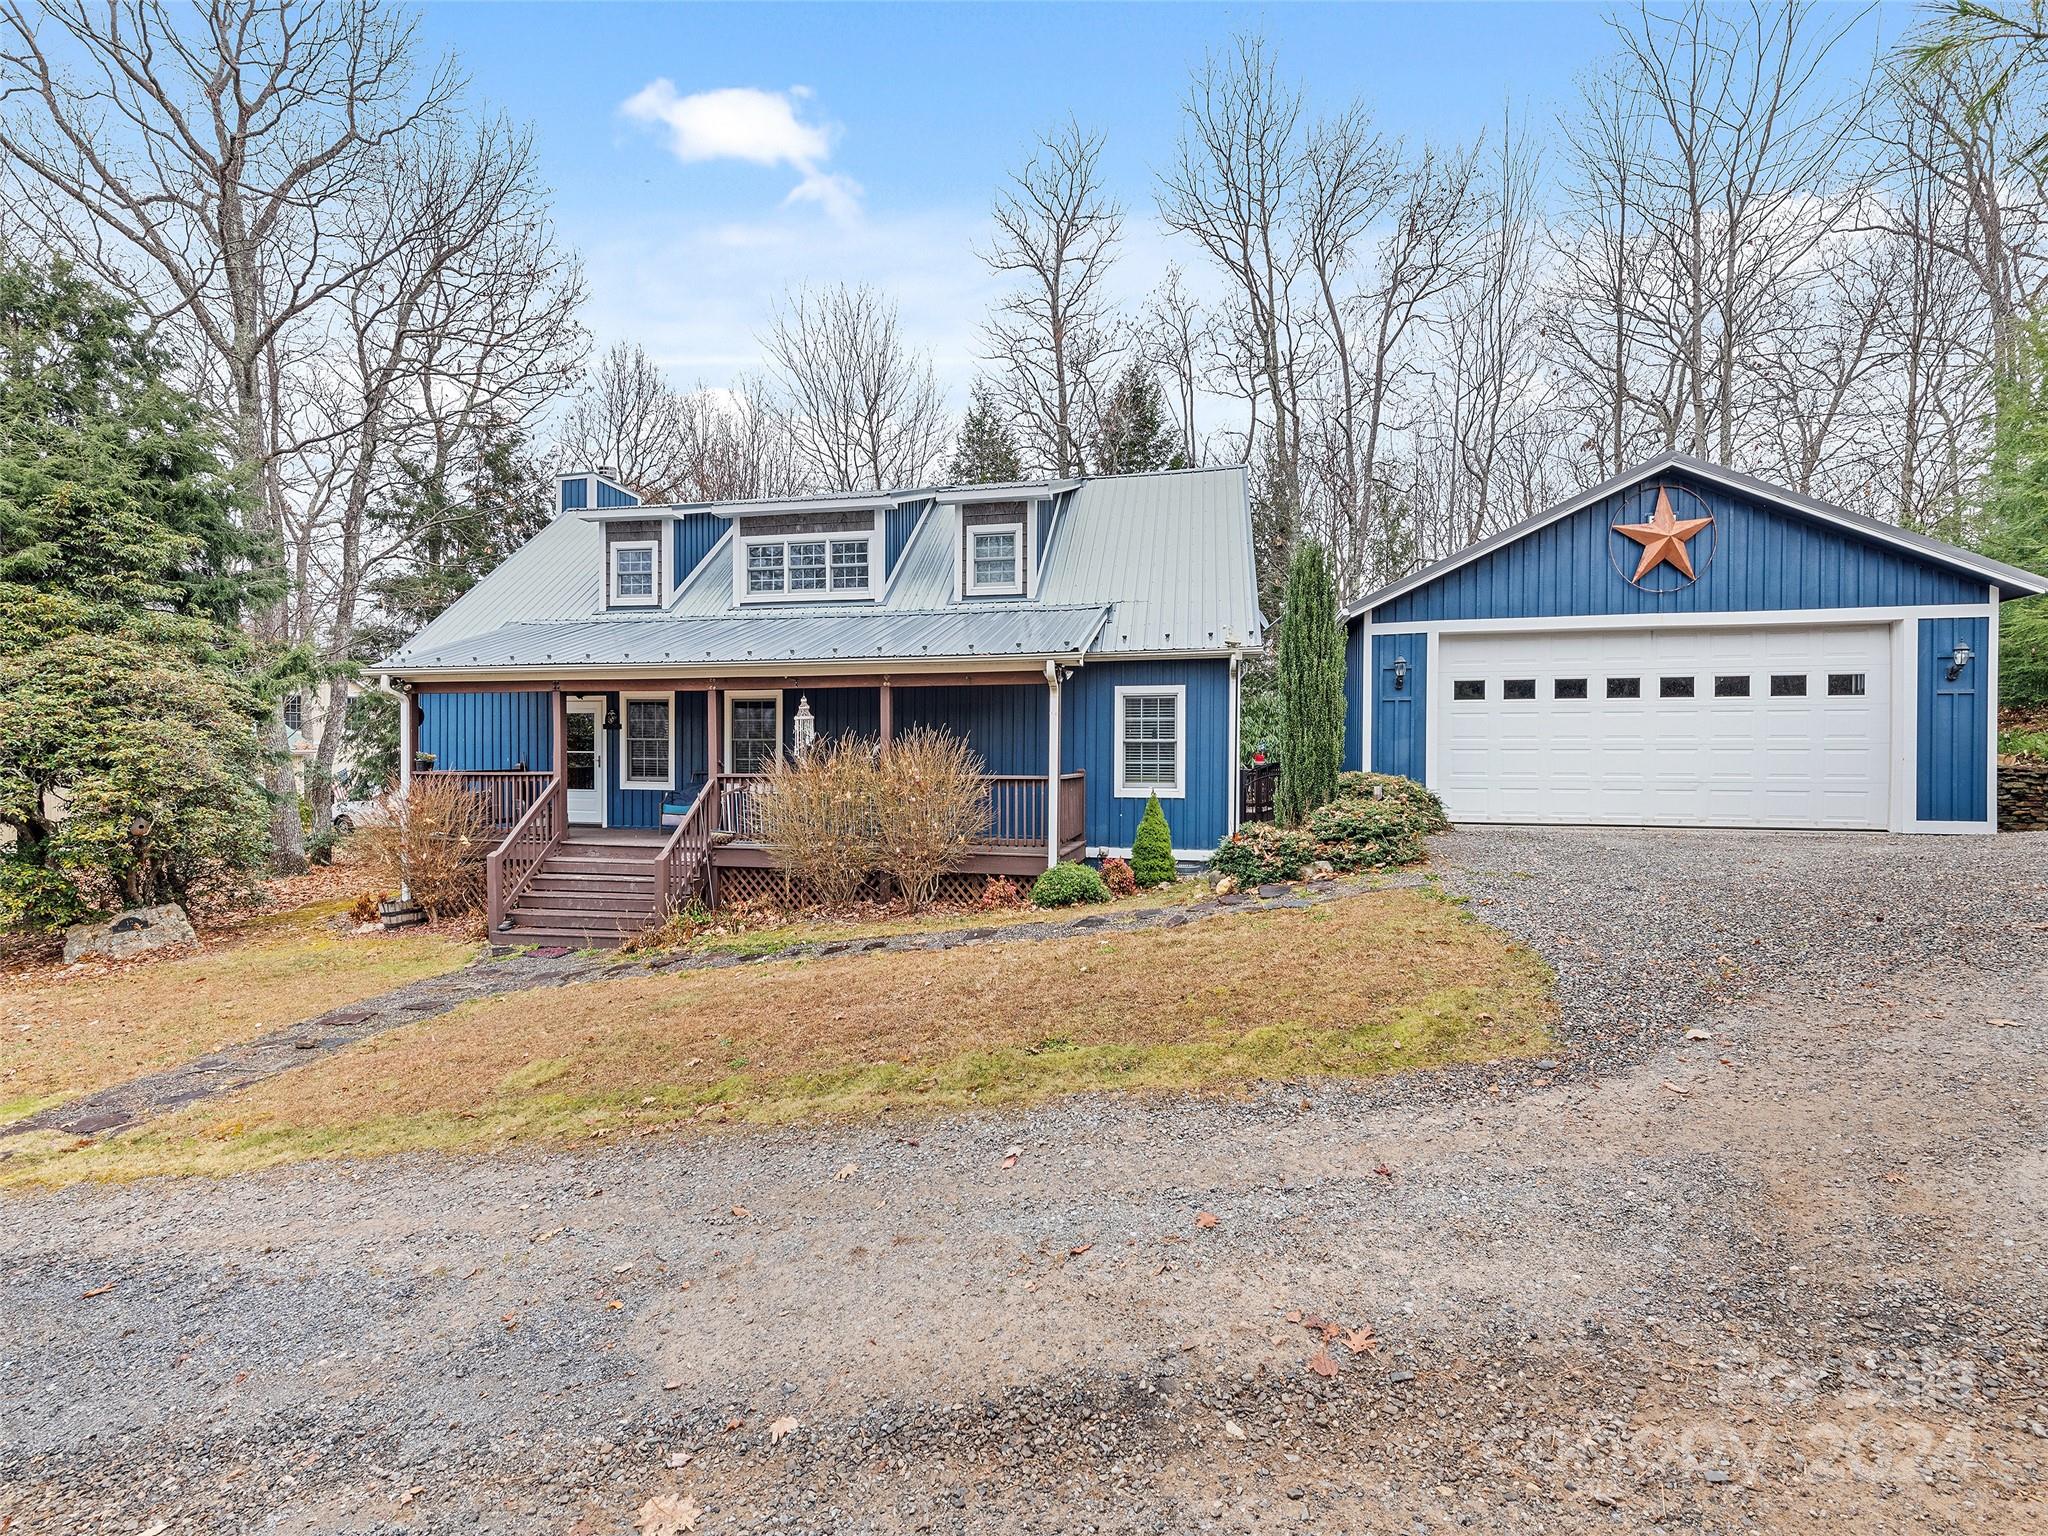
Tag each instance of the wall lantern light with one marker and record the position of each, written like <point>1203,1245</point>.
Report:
<point>1400,674</point>
<point>1959,659</point>
<point>611,719</point>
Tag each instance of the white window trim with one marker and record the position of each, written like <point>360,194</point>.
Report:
<point>731,698</point>
<point>1014,587</point>
<point>1125,791</point>
<point>626,740</point>
<point>872,537</point>
<point>653,599</point>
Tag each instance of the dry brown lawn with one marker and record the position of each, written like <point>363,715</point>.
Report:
<point>1376,983</point>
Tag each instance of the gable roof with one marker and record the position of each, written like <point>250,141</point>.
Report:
<point>2009,579</point>
<point>1153,563</point>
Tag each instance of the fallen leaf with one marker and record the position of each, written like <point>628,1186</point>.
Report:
<point>412,1493</point>
<point>671,1386</point>
<point>668,1514</point>
<point>510,1320</point>
<point>1387,1173</point>
<point>1294,1317</point>
<point>1359,1340</point>
<point>1010,1157</point>
<point>1321,1363</point>
<point>781,1429</point>
<point>1894,1178</point>
<point>613,1305</point>
<point>742,1212</point>
<point>98,1290</point>
<point>848,1171</point>
<point>1078,1249</point>
<point>1670,1087</point>
<point>1205,1219</point>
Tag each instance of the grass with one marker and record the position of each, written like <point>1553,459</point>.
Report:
<point>65,1035</point>
<point>1390,981</point>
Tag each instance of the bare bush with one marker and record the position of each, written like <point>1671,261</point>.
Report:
<point>433,842</point>
<point>931,806</point>
<point>817,814</point>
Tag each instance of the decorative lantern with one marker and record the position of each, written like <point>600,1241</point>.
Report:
<point>803,728</point>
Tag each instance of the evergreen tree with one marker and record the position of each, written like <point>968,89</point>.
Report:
<point>1311,681</point>
<point>2016,519</point>
<point>987,451</point>
<point>128,759</point>
<point>1152,847</point>
<point>1134,433</point>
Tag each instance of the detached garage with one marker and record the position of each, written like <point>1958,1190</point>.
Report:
<point>1686,646</point>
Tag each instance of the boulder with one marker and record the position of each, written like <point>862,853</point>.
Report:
<point>137,931</point>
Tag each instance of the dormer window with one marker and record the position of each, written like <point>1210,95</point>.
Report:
<point>635,573</point>
<point>995,563</point>
<point>807,567</point>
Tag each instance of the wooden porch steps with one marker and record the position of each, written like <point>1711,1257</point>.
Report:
<point>588,894</point>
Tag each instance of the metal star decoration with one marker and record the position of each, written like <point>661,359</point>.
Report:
<point>1663,538</point>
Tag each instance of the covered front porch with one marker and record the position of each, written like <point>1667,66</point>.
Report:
<point>667,770</point>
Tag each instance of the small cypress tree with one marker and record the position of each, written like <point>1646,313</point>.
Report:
<point>1152,849</point>
<point>1311,683</point>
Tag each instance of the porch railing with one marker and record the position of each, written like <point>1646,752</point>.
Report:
<point>1017,808</point>
<point>507,794</point>
<point>685,861</point>
<point>509,866</point>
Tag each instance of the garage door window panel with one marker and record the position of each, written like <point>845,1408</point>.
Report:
<point>1568,688</point>
<point>1518,688</point>
<point>1846,685</point>
<point>1624,687</point>
<point>1788,685</point>
<point>1468,688</point>
<point>1676,687</point>
<point>1732,686</point>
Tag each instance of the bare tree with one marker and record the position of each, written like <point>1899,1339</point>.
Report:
<point>863,410</point>
<point>1173,336</point>
<point>1051,337</point>
<point>628,420</point>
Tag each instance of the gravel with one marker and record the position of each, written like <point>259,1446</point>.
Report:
<point>1791,1274</point>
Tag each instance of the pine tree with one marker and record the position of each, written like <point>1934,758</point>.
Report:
<point>2016,519</point>
<point>987,451</point>
<point>1152,847</point>
<point>1311,681</point>
<point>1134,434</point>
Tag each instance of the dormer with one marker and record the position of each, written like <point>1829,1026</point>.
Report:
<point>999,534</point>
<point>811,549</point>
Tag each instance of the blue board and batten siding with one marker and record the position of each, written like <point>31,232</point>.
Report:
<point>1764,558</point>
<point>1952,740</point>
<point>1399,681</point>
<point>1199,818</point>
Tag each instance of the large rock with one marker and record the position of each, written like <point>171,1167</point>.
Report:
<point>135,932</point>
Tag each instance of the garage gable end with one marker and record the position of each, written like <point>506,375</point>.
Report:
<point>1727,551</point>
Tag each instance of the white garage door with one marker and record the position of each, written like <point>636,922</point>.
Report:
<point>1713,728</point>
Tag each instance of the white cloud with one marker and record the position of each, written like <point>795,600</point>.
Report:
<point>759,127</point>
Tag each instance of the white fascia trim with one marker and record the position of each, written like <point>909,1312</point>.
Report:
<point>1119,788</point>
<point>1180,855</point>
<point>1840,517</point>
<point>658,598</point>
<point>1991,719</point>
<point>825,594</point>
<point>1742,618</point>
<point>626,745</point>
<point>1015,587</point>
<point>1027,666</point>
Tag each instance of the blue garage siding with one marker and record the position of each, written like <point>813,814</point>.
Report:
<point>1954,724</point>
<point>1355,695</point>
<point>1201,818</point>
<point>1763,558</point>
<point>1005,725</point>
<point>1400,710</point>
<point>482,731</point>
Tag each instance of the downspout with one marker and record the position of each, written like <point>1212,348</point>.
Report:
<point>1236,753</point>
<point>1052,763</point>
<point>407,751</point>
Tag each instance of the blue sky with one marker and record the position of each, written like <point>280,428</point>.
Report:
<point>675,135</point>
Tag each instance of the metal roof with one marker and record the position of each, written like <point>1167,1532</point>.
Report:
<point>1167,556</point>
<point>812,636</point>
<point>2009,578</point>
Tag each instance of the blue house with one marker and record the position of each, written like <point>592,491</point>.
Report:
<point>619,684</point>
<point>1687,646</point>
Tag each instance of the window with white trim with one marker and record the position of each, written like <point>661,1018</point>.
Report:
<point>809,566</point>
<point>636,573</point>
<point>995,560</point>
<point>649,732</point>
<point>1151,742</point>
<point>753,731</point>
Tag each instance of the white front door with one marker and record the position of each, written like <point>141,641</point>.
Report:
<point>1676,727</point>
<point>586,762</point>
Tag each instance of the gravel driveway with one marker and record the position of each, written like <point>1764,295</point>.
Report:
<point>1789,1275</point>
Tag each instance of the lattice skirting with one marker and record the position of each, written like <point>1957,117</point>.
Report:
<point>771,887</point>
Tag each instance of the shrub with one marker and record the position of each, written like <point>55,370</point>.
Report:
<point>433,841</point>
<point>1311,686</point>
<point>1064,885</point>
<point>1152,849</point>
<point>818,815</point>
<point>1375,821</point>
<point>997,893</point>
<point>930,805</point>
<point>1117,876</point>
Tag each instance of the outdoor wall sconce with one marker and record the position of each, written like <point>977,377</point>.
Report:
<point>611,719</point>
<point>1400,674</point>
<point>1959,659</point>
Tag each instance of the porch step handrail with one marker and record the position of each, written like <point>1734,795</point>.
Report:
<point>510,865</point>
<point>685,859</point>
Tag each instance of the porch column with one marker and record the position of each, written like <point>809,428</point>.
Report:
<point>408,748</point>
<point>714,721</point>
<point>1052,764</point>
<point>887,709</point>
<point>558,733</point>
